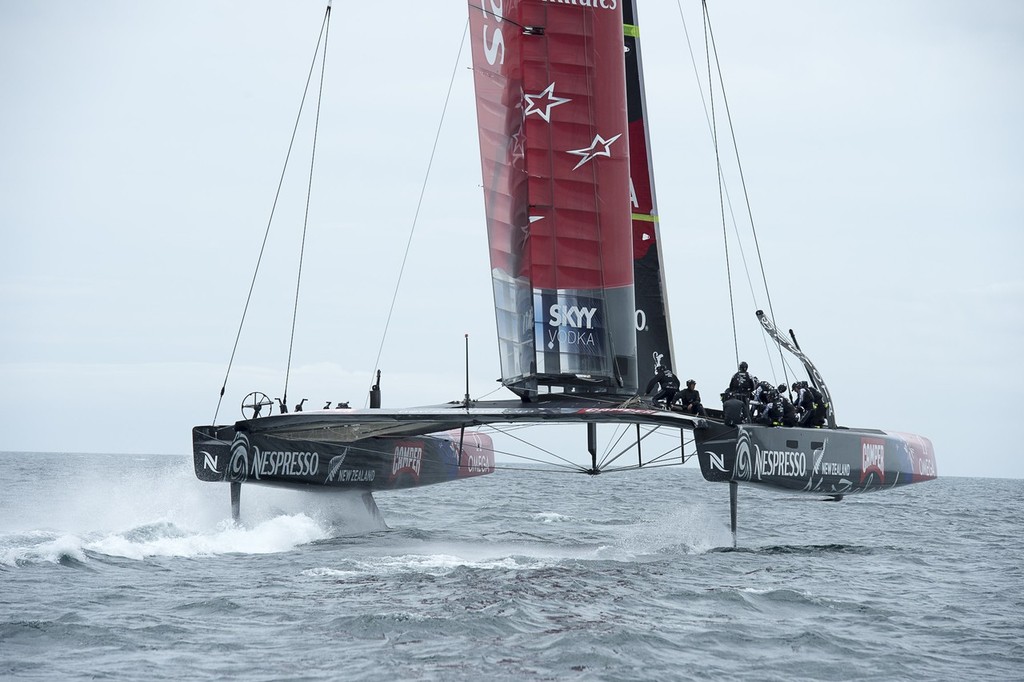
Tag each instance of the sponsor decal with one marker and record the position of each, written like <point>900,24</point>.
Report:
<point>542,103</point>
<point>743,469</point>
<point>517,152</point>
<point>334,466</point>
<point>716,460</point>
<point>835,469</point>
<point>641,325</point>
<point>592,4</point>
<point>336,474</point>
<point>822,469</point>
<point>572,328</point>
<point>494,41</point>
<point>479,463</point>
<point>283,463</point>
<point>477,455</point>
<point>571,316</point>
<point>599,147</point>
<point>238,465</point>
<point>922,457</point>
<point>248,461</point>
<point>210,462</point>
<point>578,341</point>
<point>779,463</point>
<point>353,476</point>
<point>407,458</point>
<point>872,458</point>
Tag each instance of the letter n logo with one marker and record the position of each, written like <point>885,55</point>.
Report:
<point>717,461</point>
<point>210,462</point>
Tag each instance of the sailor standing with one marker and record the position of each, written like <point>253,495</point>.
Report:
<point>742,384</point>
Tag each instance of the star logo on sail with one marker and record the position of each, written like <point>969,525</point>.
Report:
<point>599,147</point>
<point>533,219</point>
<point>543,103</point>
<point>518,152</point>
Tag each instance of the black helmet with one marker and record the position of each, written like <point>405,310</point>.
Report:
<point>781,388</point>
<point>691,382</point>
<point>743,367</point>
<point>796,385</point>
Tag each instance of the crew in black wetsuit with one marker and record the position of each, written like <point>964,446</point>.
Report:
<point>742,384</point>
<point>734,410</point>
<point>788,411</point>
<point>770,410</point>
<point>820,406</point>
<point>668,382</point>
<point>803,403</point>
<point>689,398</point>
<point>761,392</point>
<point>736,398</point>
<point>759,399</point>
<point>810,404</point>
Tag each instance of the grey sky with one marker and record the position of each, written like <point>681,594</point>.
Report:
<point>140,146</point>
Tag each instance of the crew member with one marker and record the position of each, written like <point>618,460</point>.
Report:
<point>689,398</point>
<point>742,384</point>
<point>788,411</point>
<point>667,382</point>
<point>820,406</point>
<point>760,399</point>
<point>810,404</point>
<point>770,410</point>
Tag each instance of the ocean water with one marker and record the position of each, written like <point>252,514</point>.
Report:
<point>127,567</point>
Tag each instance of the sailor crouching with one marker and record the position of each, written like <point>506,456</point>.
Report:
<point>668,384</point>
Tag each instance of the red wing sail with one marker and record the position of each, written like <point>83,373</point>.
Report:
<point>554,146</point>
<point>654,334</point>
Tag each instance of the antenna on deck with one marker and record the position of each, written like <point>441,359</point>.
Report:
<point>466,401</point>
<point>375,393</point>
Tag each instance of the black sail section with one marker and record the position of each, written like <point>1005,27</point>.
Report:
<point>654,333</point>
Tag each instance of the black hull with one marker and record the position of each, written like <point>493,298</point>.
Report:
<point>222,453</point>
<point>821,461</point>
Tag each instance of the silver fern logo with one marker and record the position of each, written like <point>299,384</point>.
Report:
<point>335,466</point>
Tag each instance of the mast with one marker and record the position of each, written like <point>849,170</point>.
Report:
<point>554,148</point>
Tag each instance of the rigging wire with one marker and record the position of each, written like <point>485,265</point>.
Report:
<point>743,180</point>
<point>270,220</point>
<point>723,188</point>
<point>626,449</point>
<point>419,203</point>
<point>309,194</point>
<point>721,199</point>
<point>721,177</point>
<point>535,446</point>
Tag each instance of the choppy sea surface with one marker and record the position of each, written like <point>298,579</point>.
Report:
<point>128,567</point>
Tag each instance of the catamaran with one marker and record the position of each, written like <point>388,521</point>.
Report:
<point>579,297</point>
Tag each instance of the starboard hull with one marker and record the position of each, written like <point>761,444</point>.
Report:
<point>226,453</point>
<point>824,461</point>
